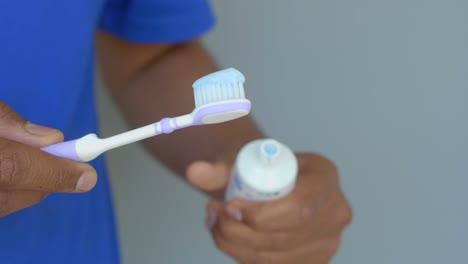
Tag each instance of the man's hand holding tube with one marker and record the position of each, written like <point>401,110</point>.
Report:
<point>303,227</point>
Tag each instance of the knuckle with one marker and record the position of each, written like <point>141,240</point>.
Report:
<point>331,248</point>
<point>329,165</point>
<point>333,168</point>
<point>8,165</point>
<point>7,172</point>
<point>320,161</point>
<point>61,178</point>
<point>344,215</point>
<point>339,213</point>
<point>58,179</point>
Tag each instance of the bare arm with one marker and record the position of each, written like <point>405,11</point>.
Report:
<point>150,82</point>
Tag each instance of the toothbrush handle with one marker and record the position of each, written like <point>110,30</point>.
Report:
<point>90,146</point>
<point>65,149</point>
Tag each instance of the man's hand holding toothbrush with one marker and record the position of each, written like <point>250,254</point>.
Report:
<point>303,227</point>
<point>27,174</point>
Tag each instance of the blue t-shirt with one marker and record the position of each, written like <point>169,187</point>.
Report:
<point>47,76</point>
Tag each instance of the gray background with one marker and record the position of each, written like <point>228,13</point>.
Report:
<point>378,86</point>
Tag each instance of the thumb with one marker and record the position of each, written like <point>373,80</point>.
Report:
<point>16,128</point>
<point>209,177</point>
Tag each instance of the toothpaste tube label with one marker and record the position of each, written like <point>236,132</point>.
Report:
<point>237,188</point>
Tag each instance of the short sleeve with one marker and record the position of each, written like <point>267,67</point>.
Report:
<point>156,21</point>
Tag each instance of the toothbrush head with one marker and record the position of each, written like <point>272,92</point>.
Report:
<point>220,97</point>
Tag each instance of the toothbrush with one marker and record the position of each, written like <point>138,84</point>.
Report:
<point>219,97</point>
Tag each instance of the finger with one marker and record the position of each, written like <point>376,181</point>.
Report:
<point>240,253</point>
<point>292,212</point>
<point>248,246</point>
<point>14,127</point>
<point>286,214</point>
<point>12,201</point>
<point>238,233</point>
<point>332,219</point>
<point>276,234</point>
<point>26,168</point>
<point>213,209</point>
<point>208,176</point>
<point>317,253</point>
<point>320,252</point>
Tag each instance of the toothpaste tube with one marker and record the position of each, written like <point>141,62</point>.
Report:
<point>264,170</point>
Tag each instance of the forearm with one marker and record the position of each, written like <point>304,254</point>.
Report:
<point>162,89</point>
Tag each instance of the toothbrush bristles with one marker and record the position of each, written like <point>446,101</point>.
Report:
<point>219,86</point>
<point>218,92</point>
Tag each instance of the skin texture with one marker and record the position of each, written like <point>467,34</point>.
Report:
<point>27,174</point>
<point>150,82</point>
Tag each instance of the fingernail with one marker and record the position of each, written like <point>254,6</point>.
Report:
<point>234,212</point>
<point>211,218</point>
<point>86,182</point>
<point>38,130</point>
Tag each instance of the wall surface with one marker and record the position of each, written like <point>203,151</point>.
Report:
<point>381,87</point>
